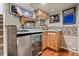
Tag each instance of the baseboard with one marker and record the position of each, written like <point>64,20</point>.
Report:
<point>69,49</point>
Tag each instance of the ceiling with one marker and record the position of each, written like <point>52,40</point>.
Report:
<point>48,7</point>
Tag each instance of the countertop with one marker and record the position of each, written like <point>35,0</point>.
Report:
<point>28,31</point>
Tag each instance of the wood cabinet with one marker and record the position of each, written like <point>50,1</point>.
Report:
<point>24,21</point>
<point>51,40</point>
<point>54,40</point>
<point>42,14</point>
<point>44,40</point>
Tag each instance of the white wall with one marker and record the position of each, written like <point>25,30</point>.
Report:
<point>78,26</point>
<point>9,18</point>
<point>71,42</point>
<point>61,20</point>
<point>77,14</point>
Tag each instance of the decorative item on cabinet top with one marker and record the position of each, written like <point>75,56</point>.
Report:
<point>20,11</point>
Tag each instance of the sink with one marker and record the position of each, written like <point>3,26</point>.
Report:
<point>25,30</point>
<point>22,30</point>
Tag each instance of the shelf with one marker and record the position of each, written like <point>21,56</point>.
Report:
<point>27,20</point>
<point>33,19</point>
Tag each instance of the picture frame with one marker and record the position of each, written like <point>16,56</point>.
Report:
<point>54,18</point>
<point>15,9</point>
<point>69,16</point>
<point>12,9</point>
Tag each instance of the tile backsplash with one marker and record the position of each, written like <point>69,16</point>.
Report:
<point>55,27</point>
<point>67,30</point>
<point>70,30</point>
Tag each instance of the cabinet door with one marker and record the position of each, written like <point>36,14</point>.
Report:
<point>53,41</point>
<point>44,40</point>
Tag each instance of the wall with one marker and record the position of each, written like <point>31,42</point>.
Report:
<point>78,26</point>
<point>68,42</point>
<point>9,18</point>
<point>77,14</point>
<point>71,42</point>
<point>70,38</point>
<point>61,19</point>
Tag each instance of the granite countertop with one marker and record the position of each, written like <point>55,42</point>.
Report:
<point>28,31</point>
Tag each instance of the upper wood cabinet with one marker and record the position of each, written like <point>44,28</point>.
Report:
<point>42,14</point>
<point>24,20</point>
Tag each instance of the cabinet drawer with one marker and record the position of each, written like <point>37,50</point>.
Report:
<point>50,33</point>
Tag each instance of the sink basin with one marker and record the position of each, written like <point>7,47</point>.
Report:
<point>22,30</point>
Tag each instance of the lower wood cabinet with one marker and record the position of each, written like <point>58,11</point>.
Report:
<point>51,40</point>
<point>54,40</point>
<point>44,40</point>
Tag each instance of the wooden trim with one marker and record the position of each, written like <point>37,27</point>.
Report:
<point>42,15</point>
<point>41,10</point>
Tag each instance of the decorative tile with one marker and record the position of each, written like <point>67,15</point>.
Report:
<point>70,30</point>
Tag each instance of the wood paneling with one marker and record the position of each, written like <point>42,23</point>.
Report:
<point>1,34</point>
<point>42,14</point>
